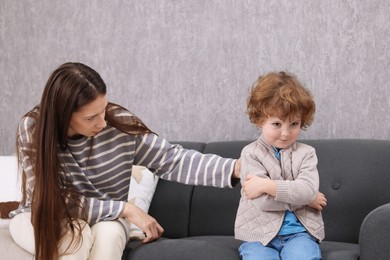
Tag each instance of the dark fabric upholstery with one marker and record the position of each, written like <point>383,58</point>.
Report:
<point>171,203</point>
<point>213,211</point>
<point>190,248</point>
<point>339,251</point>
<point>171,206</point>
<point>374,234</point>
<point>354,175</point>
<point>228,149</point>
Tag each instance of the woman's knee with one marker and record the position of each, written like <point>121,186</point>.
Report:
<point>109,231</point>
<point>109,240</point>
<point>76,244</point>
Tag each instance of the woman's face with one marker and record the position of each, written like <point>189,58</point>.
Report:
<point>89,119</point>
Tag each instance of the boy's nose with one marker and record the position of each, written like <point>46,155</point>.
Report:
<point>285,132</point>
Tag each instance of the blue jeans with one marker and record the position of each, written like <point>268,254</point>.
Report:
<point>300,246</point>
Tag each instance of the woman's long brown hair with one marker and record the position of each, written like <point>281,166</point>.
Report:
<point>54,201</point>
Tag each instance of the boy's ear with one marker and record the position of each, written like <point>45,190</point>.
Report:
<point>259,123</point>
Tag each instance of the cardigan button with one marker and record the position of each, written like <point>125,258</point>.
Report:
<point>336,185</point>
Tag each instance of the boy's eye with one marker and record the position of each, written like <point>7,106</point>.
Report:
<point>295,123</point>
<point>276,124</point>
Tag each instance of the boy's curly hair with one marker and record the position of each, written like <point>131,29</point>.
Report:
<point>281,95</point>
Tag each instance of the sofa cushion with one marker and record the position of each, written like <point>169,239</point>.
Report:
<point>141,189</point>
<point>191,248</point>
<point>219,247</point>
<point>374,234</point>
<point>339,250</point>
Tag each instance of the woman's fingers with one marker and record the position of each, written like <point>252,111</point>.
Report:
<point>153,231</point>
<point>144,221</point>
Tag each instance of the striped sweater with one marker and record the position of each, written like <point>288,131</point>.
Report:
<point>100,167</point>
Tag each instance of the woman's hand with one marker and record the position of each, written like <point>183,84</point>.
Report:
<point>319,203</point>
<point>145,222</point>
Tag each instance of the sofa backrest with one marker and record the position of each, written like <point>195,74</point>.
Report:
<point>171,203</point>
<point>354,176</point>
<point>213,210</point>
<point>186,210</point>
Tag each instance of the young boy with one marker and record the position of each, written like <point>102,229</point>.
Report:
<point>279,215</point>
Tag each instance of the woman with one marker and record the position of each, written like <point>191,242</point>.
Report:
<point>76,151</point>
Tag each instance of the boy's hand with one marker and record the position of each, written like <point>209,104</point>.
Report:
<point>319,203</point>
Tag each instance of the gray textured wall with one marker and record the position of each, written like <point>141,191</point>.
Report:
<point>185,66</point>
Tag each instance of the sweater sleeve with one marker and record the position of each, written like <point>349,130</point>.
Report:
<point>303,188</point>
<point>252,162</point>
<point>101,210</point>
<point>174,163</point>
<point>24,140</point>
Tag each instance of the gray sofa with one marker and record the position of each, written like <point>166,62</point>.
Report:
<point>198,221</point>
<point>354,175</point>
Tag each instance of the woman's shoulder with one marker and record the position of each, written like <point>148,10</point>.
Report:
<point>29,120</point>
<point>27,126</point>
<point>118,113</point>
<point>122,119</point>
<point>118,110</point>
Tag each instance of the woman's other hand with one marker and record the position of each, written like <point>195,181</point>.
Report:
<point>144,221</point>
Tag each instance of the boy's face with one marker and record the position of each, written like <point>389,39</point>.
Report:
<point>281,133</point>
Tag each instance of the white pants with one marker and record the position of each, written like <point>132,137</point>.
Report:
<point>104,240</point>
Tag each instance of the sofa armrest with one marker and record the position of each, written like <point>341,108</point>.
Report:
<point>374,234</point>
